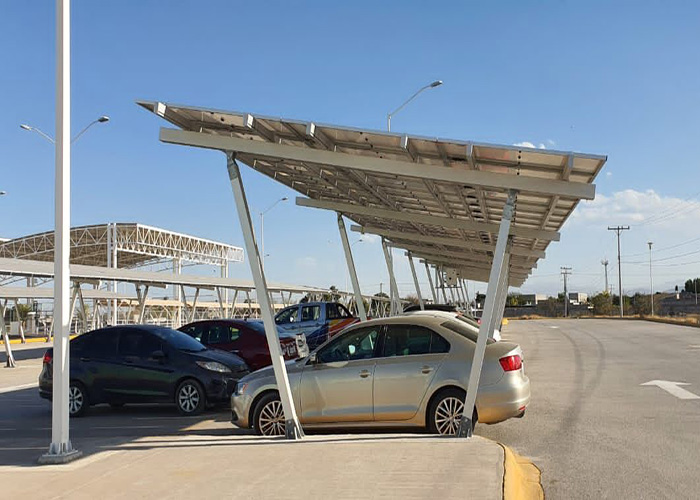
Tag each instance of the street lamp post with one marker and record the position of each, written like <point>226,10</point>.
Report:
<point>651,279</point>
<point>262,230</point>
<point>29,128</point>
<point>434,84</point>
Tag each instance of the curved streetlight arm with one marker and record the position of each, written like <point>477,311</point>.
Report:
<point>38,131</point>
<point>101,119</point>
<point>274,205</point>
<point>436,83</point>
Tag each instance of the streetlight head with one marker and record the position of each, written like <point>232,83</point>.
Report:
<point>284,199</point>
<point>25,127</point>
<point>436,83</point>
<point>103,118</point>
<point>3,193</point>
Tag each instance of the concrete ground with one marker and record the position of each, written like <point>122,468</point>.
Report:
<point>591,427</point>
<point>140,451</point>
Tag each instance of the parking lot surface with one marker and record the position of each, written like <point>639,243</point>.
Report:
<point>150,450</point>
<point>591,426</point>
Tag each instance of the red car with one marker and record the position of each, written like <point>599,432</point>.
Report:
<point>245,339</point>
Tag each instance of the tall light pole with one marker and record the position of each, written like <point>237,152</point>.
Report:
<point>651,280</point>
<point>434,84</point>
<point>605,264</point>
<point>262,230</point>
<point>618,230</point>
<point>566,272</point>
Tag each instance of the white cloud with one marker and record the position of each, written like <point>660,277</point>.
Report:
<point>307,262</point>
<point>641,208</point>
<point>528,144</point>
<point>551,142</point>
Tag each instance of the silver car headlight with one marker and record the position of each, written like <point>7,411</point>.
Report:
<point>213,366</point>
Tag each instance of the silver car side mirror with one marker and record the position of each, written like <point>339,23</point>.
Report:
<point>313,359</point>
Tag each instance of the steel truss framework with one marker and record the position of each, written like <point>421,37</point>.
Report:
<point>454,204</point>
<point>136,245</point>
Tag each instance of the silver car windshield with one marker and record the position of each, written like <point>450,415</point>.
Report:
<point>465,329</point>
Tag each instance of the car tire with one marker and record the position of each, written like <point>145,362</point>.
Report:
<point>190,398</point>
<point>268,417</point>
<point>78,401</point>
<point>445,412</point>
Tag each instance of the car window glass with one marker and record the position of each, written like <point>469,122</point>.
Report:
<point>138,344</point>
<point>406,340</point>
<point>101,344</point>
<point>332,311</point>
<point>343,312</point>
<point>438,345</point>
<point>287,316</point>
<point>194,331</point>
<point>357,344</point>
<point>310,313</point>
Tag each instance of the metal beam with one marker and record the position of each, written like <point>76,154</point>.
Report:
<point>415,280</point>
<point>392,281</point>
<point>464,261</point>
<point>351,269</point>
<point>439,240</point>
<point>487,318</point>
<point>433,220</point>
<point>292,426</point>
<point>430,280</point>
<point>576,190</point>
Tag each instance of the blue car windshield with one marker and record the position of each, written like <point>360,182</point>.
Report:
<point>179,340</point>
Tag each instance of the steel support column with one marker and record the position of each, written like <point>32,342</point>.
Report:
<point>61,450</point>
<point>415,280</point>
<point>488,317</point>
<point>392,281</point>
<point>351,269</point>
<point>430,280</point>
<point>177,270</point>
<point>502,294</point>
<point>292,427</point>
<point>10,362</point>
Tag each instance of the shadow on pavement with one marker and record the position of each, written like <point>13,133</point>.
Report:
<point>36,351</point>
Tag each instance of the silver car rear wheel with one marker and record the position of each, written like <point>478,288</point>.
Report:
<point>448,414</point>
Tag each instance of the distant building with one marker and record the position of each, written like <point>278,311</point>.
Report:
<point>577,298</point>
<point>532,299</point>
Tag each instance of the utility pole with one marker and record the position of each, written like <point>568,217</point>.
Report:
<point>605,263</point>
<point>651,280</point>
<point>618,230</point>
<point>566,272</point>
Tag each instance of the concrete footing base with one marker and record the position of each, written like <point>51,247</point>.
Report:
<point>57,459</point>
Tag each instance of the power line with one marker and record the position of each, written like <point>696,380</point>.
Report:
<point>618,230</point>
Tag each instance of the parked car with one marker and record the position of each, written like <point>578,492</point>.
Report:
<point>144,364</point>
<point>319,321</point>
<point>404,371</point>
<point>469,320</point>
<point>245,339</point>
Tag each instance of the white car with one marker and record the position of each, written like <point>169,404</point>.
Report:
<point>469,321</point>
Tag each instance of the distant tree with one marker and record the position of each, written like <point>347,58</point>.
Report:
<point>381,295</point>
<point>602,304</point>
<point>413,299</point>
<point>692,285</point>
<point>515,300</point>
<point>641,304</point>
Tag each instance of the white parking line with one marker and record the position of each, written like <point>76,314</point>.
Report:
<point>128,427</point>
<point>18,387</point>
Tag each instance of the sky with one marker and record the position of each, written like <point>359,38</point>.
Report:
<point>620,79</point>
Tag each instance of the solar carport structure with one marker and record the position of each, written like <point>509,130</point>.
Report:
<point>487,211</point>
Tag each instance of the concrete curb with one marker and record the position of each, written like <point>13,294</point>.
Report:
<point>521,478</point>
<point>33,340</point>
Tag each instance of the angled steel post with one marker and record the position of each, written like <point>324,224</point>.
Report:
<point>415,281</point>
<point>292,427</point>
<point>10,361</point>
<point>351,269</point>
<point>392,281</point>
<point>502,295</point>
<point>430,280</point>
<point>488,317</point>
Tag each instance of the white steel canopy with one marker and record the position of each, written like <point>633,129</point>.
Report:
<point>485,210</point>
<point>443,198</point>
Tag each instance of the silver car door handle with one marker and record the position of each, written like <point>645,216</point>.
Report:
<point>427,369</point>
<point>364,373</point>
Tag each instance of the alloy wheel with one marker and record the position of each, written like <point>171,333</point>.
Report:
<point>188,398</point>
<point>76,400</point>
<point>448,415</point>
<point>271,419</point>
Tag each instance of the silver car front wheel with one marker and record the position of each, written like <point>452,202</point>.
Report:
<point>269,416</point>
<point>448,415</point>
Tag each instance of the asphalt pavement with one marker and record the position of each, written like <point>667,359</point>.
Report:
<point>593,429</point>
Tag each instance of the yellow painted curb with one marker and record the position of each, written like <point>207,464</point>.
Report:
<point>504,322</point>
<point>521,478</point>
<point>34,340</point>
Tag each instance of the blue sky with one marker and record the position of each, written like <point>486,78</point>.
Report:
<point>615,78</point>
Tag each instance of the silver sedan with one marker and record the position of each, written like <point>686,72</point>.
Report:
<point>405,371</point>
